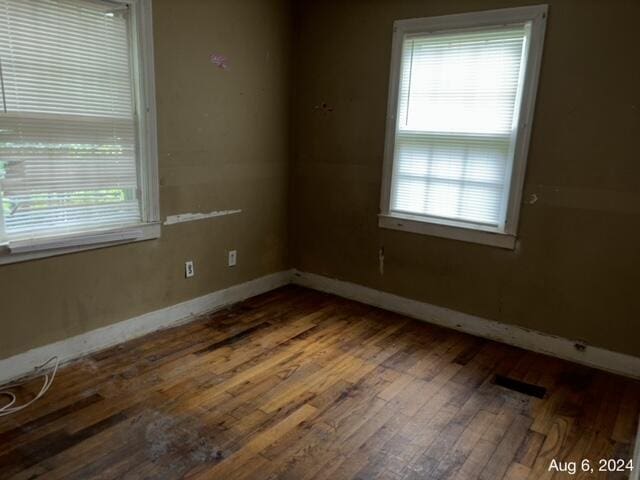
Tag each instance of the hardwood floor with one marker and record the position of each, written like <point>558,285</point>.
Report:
<point>296,384</point>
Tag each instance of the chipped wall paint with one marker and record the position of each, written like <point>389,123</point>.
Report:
<point>220,61</point>
<point>190,217</point>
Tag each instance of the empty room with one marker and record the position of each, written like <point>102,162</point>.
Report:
<point>319,239</point>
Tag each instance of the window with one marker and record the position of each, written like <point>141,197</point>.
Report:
<point>462,91</point>
<point>78,163</point>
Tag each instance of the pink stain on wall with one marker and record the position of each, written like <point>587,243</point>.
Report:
<point>219,61</point>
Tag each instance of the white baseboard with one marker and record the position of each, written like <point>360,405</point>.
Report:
<point>90,342</point>
<point>86,343</point>
<point>511,334</point>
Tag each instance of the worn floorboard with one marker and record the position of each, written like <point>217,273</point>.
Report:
<point>296,384</point>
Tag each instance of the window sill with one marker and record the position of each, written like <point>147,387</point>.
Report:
<point>24,250</point>
<point>409,223</point>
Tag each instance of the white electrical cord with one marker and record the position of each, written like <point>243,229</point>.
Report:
<point>9,408</point>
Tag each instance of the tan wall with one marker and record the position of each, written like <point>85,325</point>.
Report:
<point>222,144</point>
<point>576,270</point>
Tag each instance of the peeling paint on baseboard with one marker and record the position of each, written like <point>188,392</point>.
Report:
<point>592,356</point>
<point>190,217</point>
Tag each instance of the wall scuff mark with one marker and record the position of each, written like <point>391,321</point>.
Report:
<point>220,61</point>
<point>190,217</point>
<point>323,108</point>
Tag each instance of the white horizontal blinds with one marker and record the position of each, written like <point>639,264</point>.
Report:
<point>67,122</point>
<point>455,124</point>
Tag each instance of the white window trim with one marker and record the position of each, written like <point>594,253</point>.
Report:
<point>505,238</point>
<point>143,77</point>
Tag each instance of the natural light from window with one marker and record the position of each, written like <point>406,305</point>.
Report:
<point>457,115</point>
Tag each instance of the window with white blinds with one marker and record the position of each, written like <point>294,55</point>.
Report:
<point>455,130</point>
<point>70,158</point>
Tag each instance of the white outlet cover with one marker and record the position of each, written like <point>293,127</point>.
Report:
<point>189,271</point>
<point>232,258</point>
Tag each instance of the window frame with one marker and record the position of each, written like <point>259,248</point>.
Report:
<point>143,82</point>
<point>452,229</point>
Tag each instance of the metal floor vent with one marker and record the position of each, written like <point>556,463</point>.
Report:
<point>522,387</point>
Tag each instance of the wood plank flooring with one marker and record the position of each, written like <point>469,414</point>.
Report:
<point>296,384</point>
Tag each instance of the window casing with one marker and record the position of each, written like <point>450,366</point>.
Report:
<point>78,155</point>
<point>461,96</point>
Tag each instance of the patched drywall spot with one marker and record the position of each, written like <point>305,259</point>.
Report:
<point>190,217</point>
<point>533,198</point>
<point>219,61</point>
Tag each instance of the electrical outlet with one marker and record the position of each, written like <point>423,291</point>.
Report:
<point>188,269</point>
<point>232,258</point>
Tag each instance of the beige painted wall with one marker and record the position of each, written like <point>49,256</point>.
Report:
<point>576,269</point>
<point>223,143</point>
